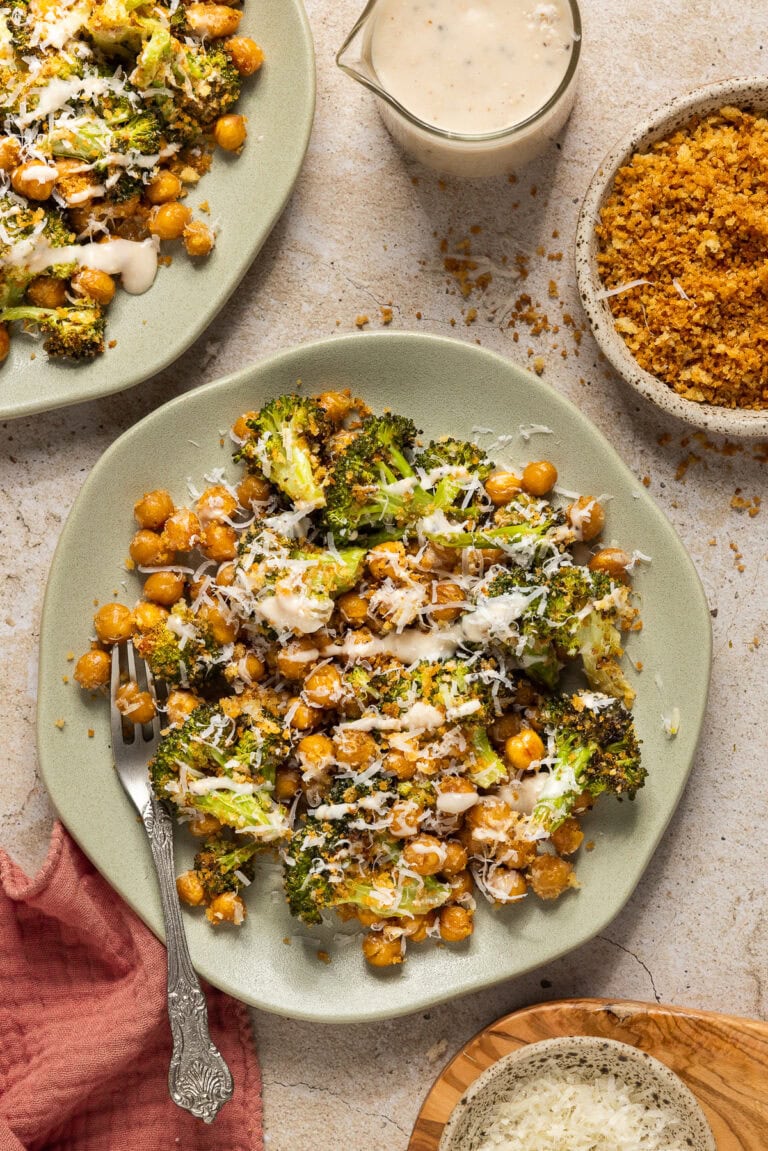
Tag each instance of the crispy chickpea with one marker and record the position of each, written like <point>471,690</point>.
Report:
<point>612,561</point>
<point>315,752</point>
<point>488,821</point>
<point>181,530</point>
<point>165,186</point>
<point>323,687</point>
<point>180,705</point>
<point>198,239</point>
<point>253,489</point>
<point>190,889</point>
<point>295,660</point>
<point>424,854</point>
<point>212,20</point>
<point>5,343</point>
<point>148,550</point>
<point>47,292</point>
<point>456,785</point>
<point>455,923</point>
<point>245,53</point>
<point>240,427</point>
<point>137,706</point>
<point>148,615</point>
<point>386,561</point>
<point>587,517</point>
<point>94,284</point>
<point>168,221</point>
<point>417,927</point>
<point>355,748</point>
<point>165,588</point>
<point>93,669</point>
<point>113,623</point>
<point>539,477</point>
<point>502,487</point>
<point>455,858</point>
<point>35,180</point>
<point>217,504</point>
<point>437,558</point>
<point>225,576</point>
<point>518,853</point>
<point>302,716</point>
<point>382,952</point>
<point>507,886</point>
<point>353,608</point>
<point>223,627</point>
<point>287,784</point>
<point>336,405</point>
<point>461,884</point>
<point>504,728</point>
<point>405,817</point>
<point>450,595</point>
<point>550,876</point>
<point>253,668</point>
<point>226,908</point>
<point>523,749</point>
<point>153,509</point>
<point>202,826</point>
<point>477,560</point>
<point>219,542</point>
<point>568,837</point>
<point>399,764</point>
<point>230,132</point>
<point>10,152</point>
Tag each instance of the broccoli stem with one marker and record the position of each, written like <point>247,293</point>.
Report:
<point>487,768</point>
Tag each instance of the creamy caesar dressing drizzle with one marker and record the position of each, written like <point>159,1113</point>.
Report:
<point>135,261</point>
<point>472,66</point>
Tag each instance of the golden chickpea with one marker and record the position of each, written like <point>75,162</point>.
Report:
<point>424,854</point>
<point>190,889</point>
<point>452,596</point>
<point>477,560</point>
<point>399,764</point>
<point>219,542</point>
<point>253,489</point>
<point>302,716</point>
<point>405,816</point>
<point>550,876</point>
<point>165,186</point>
<point>148,615</point>
<point>295,660</point>
<point>417,927</point>
<point>504,727</point>
<point>568,837</point>
<point>539,477</point>
<point>5,343</point>
<point>137,706</point>
<point>213,21</point>
<point>148,550</point>
<point>287,784</point>
<point>323,687</point>
<point>456,785</point>
<point>489,819</point>
<point>336,405</point>
<point>223,627</point>
<point>455,923</point>
<point>181,530</point>
<point>253,667</point>
<point>507,886</point>
<point>10,152</point>
<point>315,752</point>
<point>180,705</point>
<point>203,826</point>
<point>612,561</point>
<point>587,517</point>
<point>240,427</point>
<point>435,557</point>
<point>165,588</point>
<point>502,487</point>
<point>245,53</point>
<point>386,561</point>
<point>93,669</point>
<point>153,509</point>
<point>47,292</point>
<point>382,952</point>
<point>35,180</point>
<point>353,608</point>
<point>217,504</point>
<point>230,132</point>
<point>355,748</point>
<point>198,239</point>
<point>461,884</point>
<point>455,859</point>
<point>523,749</point>
<point>168,221</point>
<point>226,908</point>
<point>113,623</point>
<point>94,284</point>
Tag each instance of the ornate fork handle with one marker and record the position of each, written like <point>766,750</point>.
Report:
<point>198,1078</point>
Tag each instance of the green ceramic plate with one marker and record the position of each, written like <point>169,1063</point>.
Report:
<point>447,386</point>
<point>246,194</point>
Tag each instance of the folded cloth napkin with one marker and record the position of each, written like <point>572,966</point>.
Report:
<point>84,1036</point>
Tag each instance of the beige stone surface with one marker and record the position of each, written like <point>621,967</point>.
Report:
<point>363,230</point>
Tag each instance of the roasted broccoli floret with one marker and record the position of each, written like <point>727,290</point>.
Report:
<point>204,81</point>
<point>120,27</point>
<point>453,469</point>
<point>484,767</point>
<point>217,863</point>
<point>75,331</point>
<point>285,442</point>
<point>594,744</point>
<point>453,687</point>
<point>93,139</point>
<point>181,649</point>
<point>29,227</point>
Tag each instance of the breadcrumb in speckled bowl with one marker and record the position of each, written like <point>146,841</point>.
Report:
<point>746,94</point>
<point>591,1066</point>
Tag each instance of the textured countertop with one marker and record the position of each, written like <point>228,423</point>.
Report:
<point>364,231</point>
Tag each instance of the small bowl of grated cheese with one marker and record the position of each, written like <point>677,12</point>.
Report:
<point>580,1093</point>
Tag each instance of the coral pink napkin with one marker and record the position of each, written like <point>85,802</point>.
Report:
<point>84,1038</point>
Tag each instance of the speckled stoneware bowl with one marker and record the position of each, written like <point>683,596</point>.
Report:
<point>585,1056</point>
<point>750,93</point>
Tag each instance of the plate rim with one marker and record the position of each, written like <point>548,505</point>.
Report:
<point>284,357</point>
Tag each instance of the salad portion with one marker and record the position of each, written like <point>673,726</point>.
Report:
<point>110,112</point>
<point>362,643</point>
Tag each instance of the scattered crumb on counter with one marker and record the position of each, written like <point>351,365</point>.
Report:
<point>386,315</point>
<point>538,365</point>
<point>362,320</point>
<point>748,504</point>
<point>646,481</point>
<point>324,957</point>
<point>590,845</point>
<point>91,733</point>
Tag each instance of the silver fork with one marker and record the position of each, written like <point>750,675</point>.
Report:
<point>198,1078</point>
